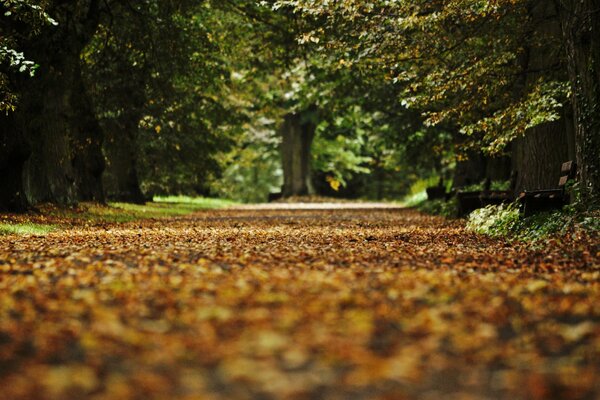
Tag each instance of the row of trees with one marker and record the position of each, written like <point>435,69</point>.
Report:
<point>116,92</point>
<point>129,99</point>
<point>514,84</point>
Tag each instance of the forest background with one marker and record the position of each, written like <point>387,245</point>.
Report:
<point>123,100</point>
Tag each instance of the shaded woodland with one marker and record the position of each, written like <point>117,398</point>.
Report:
<point>126,100</point>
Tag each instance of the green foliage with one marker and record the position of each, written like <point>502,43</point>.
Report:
<point>494,185</point>
<point>457,65</point>
<point>399,90</point>
<point>251,170</point>
<point>417,194</point>
<point>250,175</point>
<point>415,199</point>
<point>494,220</point>
<point>17,14</point>
<point>506,221</point>
<point>339,149</point>
<point>159,77</point>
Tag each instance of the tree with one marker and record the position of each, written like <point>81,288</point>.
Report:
<point>19,20</point>
<point>155,69</point>
<point>581,32</point>
<point>51,118</point>
<point>491,72</point>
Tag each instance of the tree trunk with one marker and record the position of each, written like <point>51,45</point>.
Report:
<point>47,120</point>
<point>296,155</point>
<point>88,159</point>
<point>581,32</point>
<point>538,155</point>
<point>121,177</point>
<point>14,152</point>
<point>54,111</point>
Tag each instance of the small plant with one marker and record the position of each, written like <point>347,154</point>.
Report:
<point>506,221</point>
<point>493,220</point>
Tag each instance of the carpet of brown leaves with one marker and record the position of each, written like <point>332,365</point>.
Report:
<point>296,304</point>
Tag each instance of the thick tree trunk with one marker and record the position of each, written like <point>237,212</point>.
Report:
<point>47,120</point>
<point>88,159</point>
<point>121,177</point>
<point>538,155</point>
<point>297,137</point>
<point>55,115</point>
<point>581,32</point>
<point>14,152</point>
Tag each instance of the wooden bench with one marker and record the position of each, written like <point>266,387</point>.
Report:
<point>535,201</point>
<point>437,192</point>
<point>275,196</point>
<point>497,197</point>
<point>470,201</point>
<point>467,202</point>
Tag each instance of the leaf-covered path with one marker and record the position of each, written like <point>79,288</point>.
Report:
<point>296,304</point>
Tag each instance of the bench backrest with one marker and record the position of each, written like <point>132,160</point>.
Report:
<point>567,171</point>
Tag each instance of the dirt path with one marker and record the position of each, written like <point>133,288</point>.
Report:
<point>357,303</point>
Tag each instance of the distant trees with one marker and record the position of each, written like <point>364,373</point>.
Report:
<point>498,75</point>
<point>155,72</point>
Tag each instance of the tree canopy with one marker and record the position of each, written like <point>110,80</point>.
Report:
<point>126,100</point>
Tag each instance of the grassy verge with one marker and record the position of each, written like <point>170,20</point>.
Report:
<point>49,218</point>
<point>198,203</point>
<point>26,228</point>
<point>161,207</point>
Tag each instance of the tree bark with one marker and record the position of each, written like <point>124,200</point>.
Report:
<point>54,114</point>
<point>581,32</point>
<point>538,155</point>
<point>297,137</point>
<point>14,152</point>
<point>47,120</point>
<point>88,160</point>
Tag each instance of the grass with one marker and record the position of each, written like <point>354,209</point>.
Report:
<point>90,213</point>
<point>414,199</point>
<point>200,203</point>
<point>26,228</point>
<point>161,207</point>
